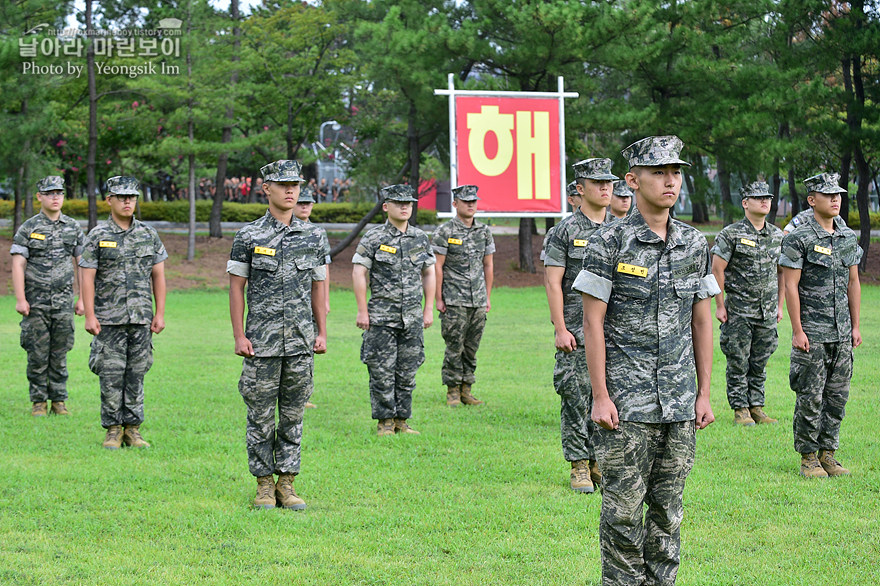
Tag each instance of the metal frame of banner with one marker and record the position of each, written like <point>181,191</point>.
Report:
<point>560,95</point>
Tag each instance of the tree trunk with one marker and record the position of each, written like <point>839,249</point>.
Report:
<point>526,259</point>
<point>214,228</point>
<point>92,152</point>
<point>793,193</point>
<point>724,183</point>
<point>21,193</point>
<point>776,181</point>
<point>357,229</point>
<point>415,158</point>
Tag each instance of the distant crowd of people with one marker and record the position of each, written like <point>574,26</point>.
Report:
<point>238,189</point>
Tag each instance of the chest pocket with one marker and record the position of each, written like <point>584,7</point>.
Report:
<point>262,262</point>
<point>308,262</point>
<point>37,247</point>
<point>385,257</point>
<point>143,251</point>
<point>418,259</point>
<point>686,288</point>
<point>746,250</point>
<point>817,258</point>
<point>576,252</point>
<point>631,286</point>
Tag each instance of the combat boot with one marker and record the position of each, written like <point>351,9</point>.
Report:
<point>400,426</point>
<point>595,473</point>
<point>453,396</point>
<point>113,441</point>
<point>759,416</point>
<point>385,427</point>
<point>810,466</point>
<point>39,409</point>
<point>743,417</point>
<point>59,408</point>
<point>131,437</point>
<point>830,464</point>
<point>580,476</point>
<point>265,498</point>
<point>285,495</point>
<point>466,397</point>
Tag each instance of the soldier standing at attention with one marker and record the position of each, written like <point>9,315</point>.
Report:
<point>570,192</point>
<point>123,272</point>
<point>820,262</point>
<point>562,263</point>
<point>621,199</point>
<point>464,249</point>
<point>303,211</point>
<point>648,336</point>
<point>45,279</point>
<point>744,262</point>
<point>279,260</point>
<point>399,261</point>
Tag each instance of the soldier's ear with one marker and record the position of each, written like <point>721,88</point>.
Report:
<point>632,180</point>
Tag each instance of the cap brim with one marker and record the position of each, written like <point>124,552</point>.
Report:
<point>288,179</point>
<point>663,163</point>
<point>467,198</point>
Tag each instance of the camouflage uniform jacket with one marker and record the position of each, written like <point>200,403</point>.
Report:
<point>280,262</point>
<point>650,287</point>
<point>824,260</point>
<point>751,285</point>
<point>395,260</point>
<point>48,247</point>
<point>464,281</point>
<point>124,260</point>
<point>565,248</point>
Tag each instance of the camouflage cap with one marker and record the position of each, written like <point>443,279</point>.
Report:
<point>824,183</point>
<point>123,185</point>
<point>654,151</point>
<point>50,183</point>
<point>755,189</point>
<point>465,192</point>
<point>307,195</point>
<point>398,192</point>
<point>598,169</point>
<point>571,189</point>
<point>621,189</point>
<point>283,170</point>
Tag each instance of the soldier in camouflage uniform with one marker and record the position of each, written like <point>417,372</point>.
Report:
<point>464,249</point>
<point>621,199</point>
<point>570,192</point>
<point>648,336</point>
<point>562,263</point>
<point>745,266</point>
<point>45,279</point>
<point>820,260</point>
<point>279,260</point>
<point>399,261</point>
<point>123,271</point>
<point>303,211</point>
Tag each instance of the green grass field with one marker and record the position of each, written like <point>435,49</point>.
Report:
<point>481,497</point>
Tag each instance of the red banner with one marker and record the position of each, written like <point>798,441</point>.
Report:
<point>509,147</point>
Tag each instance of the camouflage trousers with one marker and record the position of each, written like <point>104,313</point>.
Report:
<point>643,464</point>
<point>285,381</point>
<point>462,329</point>
<point>820,379</point>
<point>47,336</point>
<point>747,346</point>
<point>393,355</point>
<point>121,356</point>
<point>571,379</point>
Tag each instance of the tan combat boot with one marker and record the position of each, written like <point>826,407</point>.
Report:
<point>39,409</point>
<point>131,437</point>
<point>759,416</point>
<point>830,464</point>
<point>743,417</point>
<point>265,498</point>
<point>810,466</point>
<point>595,473</point>
<point>453,396</point>
<point>113,441</point>
<point>466,397</point>
<point>285,495</point>
<point>385,427</point>
<point>400,426</point>
<point>580,476</point>
<point>59,408</point>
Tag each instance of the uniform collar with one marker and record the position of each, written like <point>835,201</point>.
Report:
<point>457,221</point>
<point>821,232</point>
<point>114,227</point>
<point>296,225</point>
<point>645,234</point>
<point>391,229</point>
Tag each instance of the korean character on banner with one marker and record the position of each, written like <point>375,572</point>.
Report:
<point>147,47</point>
<point>72,47</point>
<point>103,46</point>
<point>49,47</point>
<point>125,47</point>
<point>171,47</point>
<point>27,48</point>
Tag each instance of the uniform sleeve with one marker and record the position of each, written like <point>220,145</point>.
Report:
<point>239,263</point>
<point>555,252</point>
<point>431,260</point>
<point>89,258</point>
<point>792,255</point>
<point>490,243</point>
<point>20,242</point>
<point>595,277</point>
<point>708,285</point>
<point>325,244</point>
<point>440,240</point>
<point>80,240</point>
<point>723,247</point>
<point>365,252</point>
<point>159,252</point>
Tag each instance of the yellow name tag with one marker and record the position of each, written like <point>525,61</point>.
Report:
<point>107,244</point>
<point>747,242</point>
<point>264,250</point>
<point>580,242</point>
<point>632,270</point>
<point>390,249</point>
<point>37,236</point>
<point>822,250</point>
<point>454,241</point>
